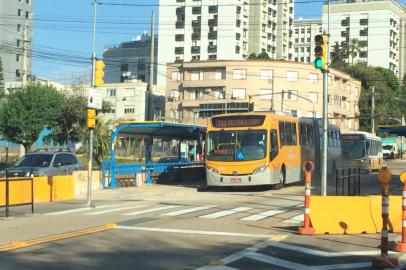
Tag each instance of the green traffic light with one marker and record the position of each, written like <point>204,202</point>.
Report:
<point>318,63</point>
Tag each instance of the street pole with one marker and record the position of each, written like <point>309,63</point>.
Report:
<point>283,96</point>
<point>148,110</point>
<point>90,148</point>
<point>373,111</point>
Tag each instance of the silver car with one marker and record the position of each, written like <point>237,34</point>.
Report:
<point>44,163</point>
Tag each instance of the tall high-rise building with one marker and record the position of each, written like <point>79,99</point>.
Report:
<point>378,25</point>
<point>16,38</point>
<point>191,30</point>
<point>304,32</point>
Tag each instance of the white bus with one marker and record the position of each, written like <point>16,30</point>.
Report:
<point>362,149</point>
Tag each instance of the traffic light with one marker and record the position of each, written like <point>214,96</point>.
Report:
<point>320,52</point>
<point>250,104</point>
<point>91,118</point>
<point>99,73</point>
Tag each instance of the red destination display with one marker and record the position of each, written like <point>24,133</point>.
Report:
<point>352,137</point>
<point>238,121</point>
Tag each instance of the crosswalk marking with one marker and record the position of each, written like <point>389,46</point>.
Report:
<point>187,211</point>
<point>115,210</point>
<point>265,214</point>
<point>295,219</point>
<point>150,210</point>
<point>226,212</point>
<point>79,210</point>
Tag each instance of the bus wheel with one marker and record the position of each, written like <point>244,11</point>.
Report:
<point>282,178</point>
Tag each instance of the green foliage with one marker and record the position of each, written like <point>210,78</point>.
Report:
<point>262,56</point>
<point>1,78</point>
<point>252,56</point>
<point>26,111</point>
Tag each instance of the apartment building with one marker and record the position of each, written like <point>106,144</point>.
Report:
<point>191,30</point>
<point>15,38</point>
<point>129,60</point>
<point>380,27</point>
<point>304,32</point>
<point>199,90</point>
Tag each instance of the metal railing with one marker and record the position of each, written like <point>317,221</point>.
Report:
<point>348,182</point>
<point>7,181</point>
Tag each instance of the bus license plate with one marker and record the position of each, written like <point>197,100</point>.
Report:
<point>235,180</point>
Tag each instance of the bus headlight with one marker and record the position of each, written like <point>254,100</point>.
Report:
<point>259,169</point>
<point>212,170</point>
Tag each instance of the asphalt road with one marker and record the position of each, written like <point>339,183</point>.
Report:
<point>178,227</point>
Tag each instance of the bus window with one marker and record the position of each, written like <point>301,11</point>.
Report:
<point>274,145</point>
<point>294,135</point>
<point>310,134</point>
<point>288,133</point>
<point>282,133</point>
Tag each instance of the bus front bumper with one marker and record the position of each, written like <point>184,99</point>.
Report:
<point>261,178</point>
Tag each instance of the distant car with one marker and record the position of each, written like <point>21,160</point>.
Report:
<point>173,159</point>
<point>44,163</point>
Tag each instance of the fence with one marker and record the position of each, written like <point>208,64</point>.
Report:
<point>7,180</point>
<point>348,182</point>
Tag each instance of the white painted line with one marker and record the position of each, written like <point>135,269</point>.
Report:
<point>187,211</point>
<point>276,261</point>
<point>167,230</point>
<point>150,210</point>
<point>115,210</point>
<point>263,215</point>
<point>226,212</point>
<point>295,219</point>
<point>343,266</point>
<point>82,209</point>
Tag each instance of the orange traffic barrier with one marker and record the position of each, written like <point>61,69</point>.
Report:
<point>384,261</point>
<point>308,168</point>
<point>401,245</point>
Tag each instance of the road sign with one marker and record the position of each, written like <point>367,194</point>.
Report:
<point>94,98</point>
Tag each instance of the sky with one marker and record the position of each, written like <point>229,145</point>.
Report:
<point>62,37</point>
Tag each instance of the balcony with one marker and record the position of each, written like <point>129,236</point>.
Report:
<point>212,22</point>
<point>345,22</point>
<point>178,50</point>
<point>238,23</point>
<point>180,11</point>
<point>195,49</point>
<point>196,10</point>
<point>212,49</point>
<point>179,37</point>
<point>344,33</point>
<point>363,21</point>
<point>237,49</point>
<point>363,33</point>
<point>180,24</point>
<point>213,9</point>
<point>212,35</point>
<point>196,23</point>
<point>196,36</point>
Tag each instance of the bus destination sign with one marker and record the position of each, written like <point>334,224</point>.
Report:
<point>238,121</point>
<point>352,137</point>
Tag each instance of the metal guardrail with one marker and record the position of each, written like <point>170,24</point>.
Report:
<point>348,182</point>
<point>7,180</point>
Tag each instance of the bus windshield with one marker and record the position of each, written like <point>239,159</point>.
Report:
<point>353,149</point>
<point>236,145</point>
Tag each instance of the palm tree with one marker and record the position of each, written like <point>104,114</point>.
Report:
<point>101,140</point>
<point>352,48</point>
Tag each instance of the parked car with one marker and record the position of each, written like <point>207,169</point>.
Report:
<point>173,159</point>
<point>44,163</point>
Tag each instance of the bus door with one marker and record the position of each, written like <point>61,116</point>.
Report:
<point>274,151</point>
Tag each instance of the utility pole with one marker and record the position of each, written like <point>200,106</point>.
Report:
<point>148,100</point>
<point>283,96</point>
<point>373,111</point>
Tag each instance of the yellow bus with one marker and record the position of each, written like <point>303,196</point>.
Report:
<point>362,149</point>
<point>262,148</point>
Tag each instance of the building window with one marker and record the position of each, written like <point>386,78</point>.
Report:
<point>18,43</point>
<point>266,74</point>
<point>220,74</point>
<point>219,93</point>
<point>27,15</point>
<point>18,27</point>
<point>129,110</point>
<point>175,76</point>
<point>18,74</point>
<point>239,74</point>
<point>19,12</point>
<point>238,93</point>
<point>290,95</point>
<point>196,94</point>
<point>17,58</point>
<point>111,92</point>
<point>313,78</point>
<point>265,94</point>
<point>313,96</point>
<point>292,76</point>
<point>196,75</point>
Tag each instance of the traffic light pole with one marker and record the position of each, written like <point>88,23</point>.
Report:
<point>325,138</point>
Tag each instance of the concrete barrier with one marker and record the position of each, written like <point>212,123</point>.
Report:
<point>80,180</point>
<point>353,214</point>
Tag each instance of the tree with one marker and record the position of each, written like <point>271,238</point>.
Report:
<point>338,57</point>
<point>26,111</point>
<point>353,48</point>
<point>252,56</point>
<point>263,55</point>
<point>101,140</point>
<point>1,78</point>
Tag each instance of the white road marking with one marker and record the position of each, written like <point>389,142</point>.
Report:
<point>115,210</point>
<point>276,261</point>
<point>150,210</point>
<point>187,211</point>
<point>166,230</point>
<point>226,212</point>
<point>263,215</point>
<point>82,209</point>
<point>295,219</point>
